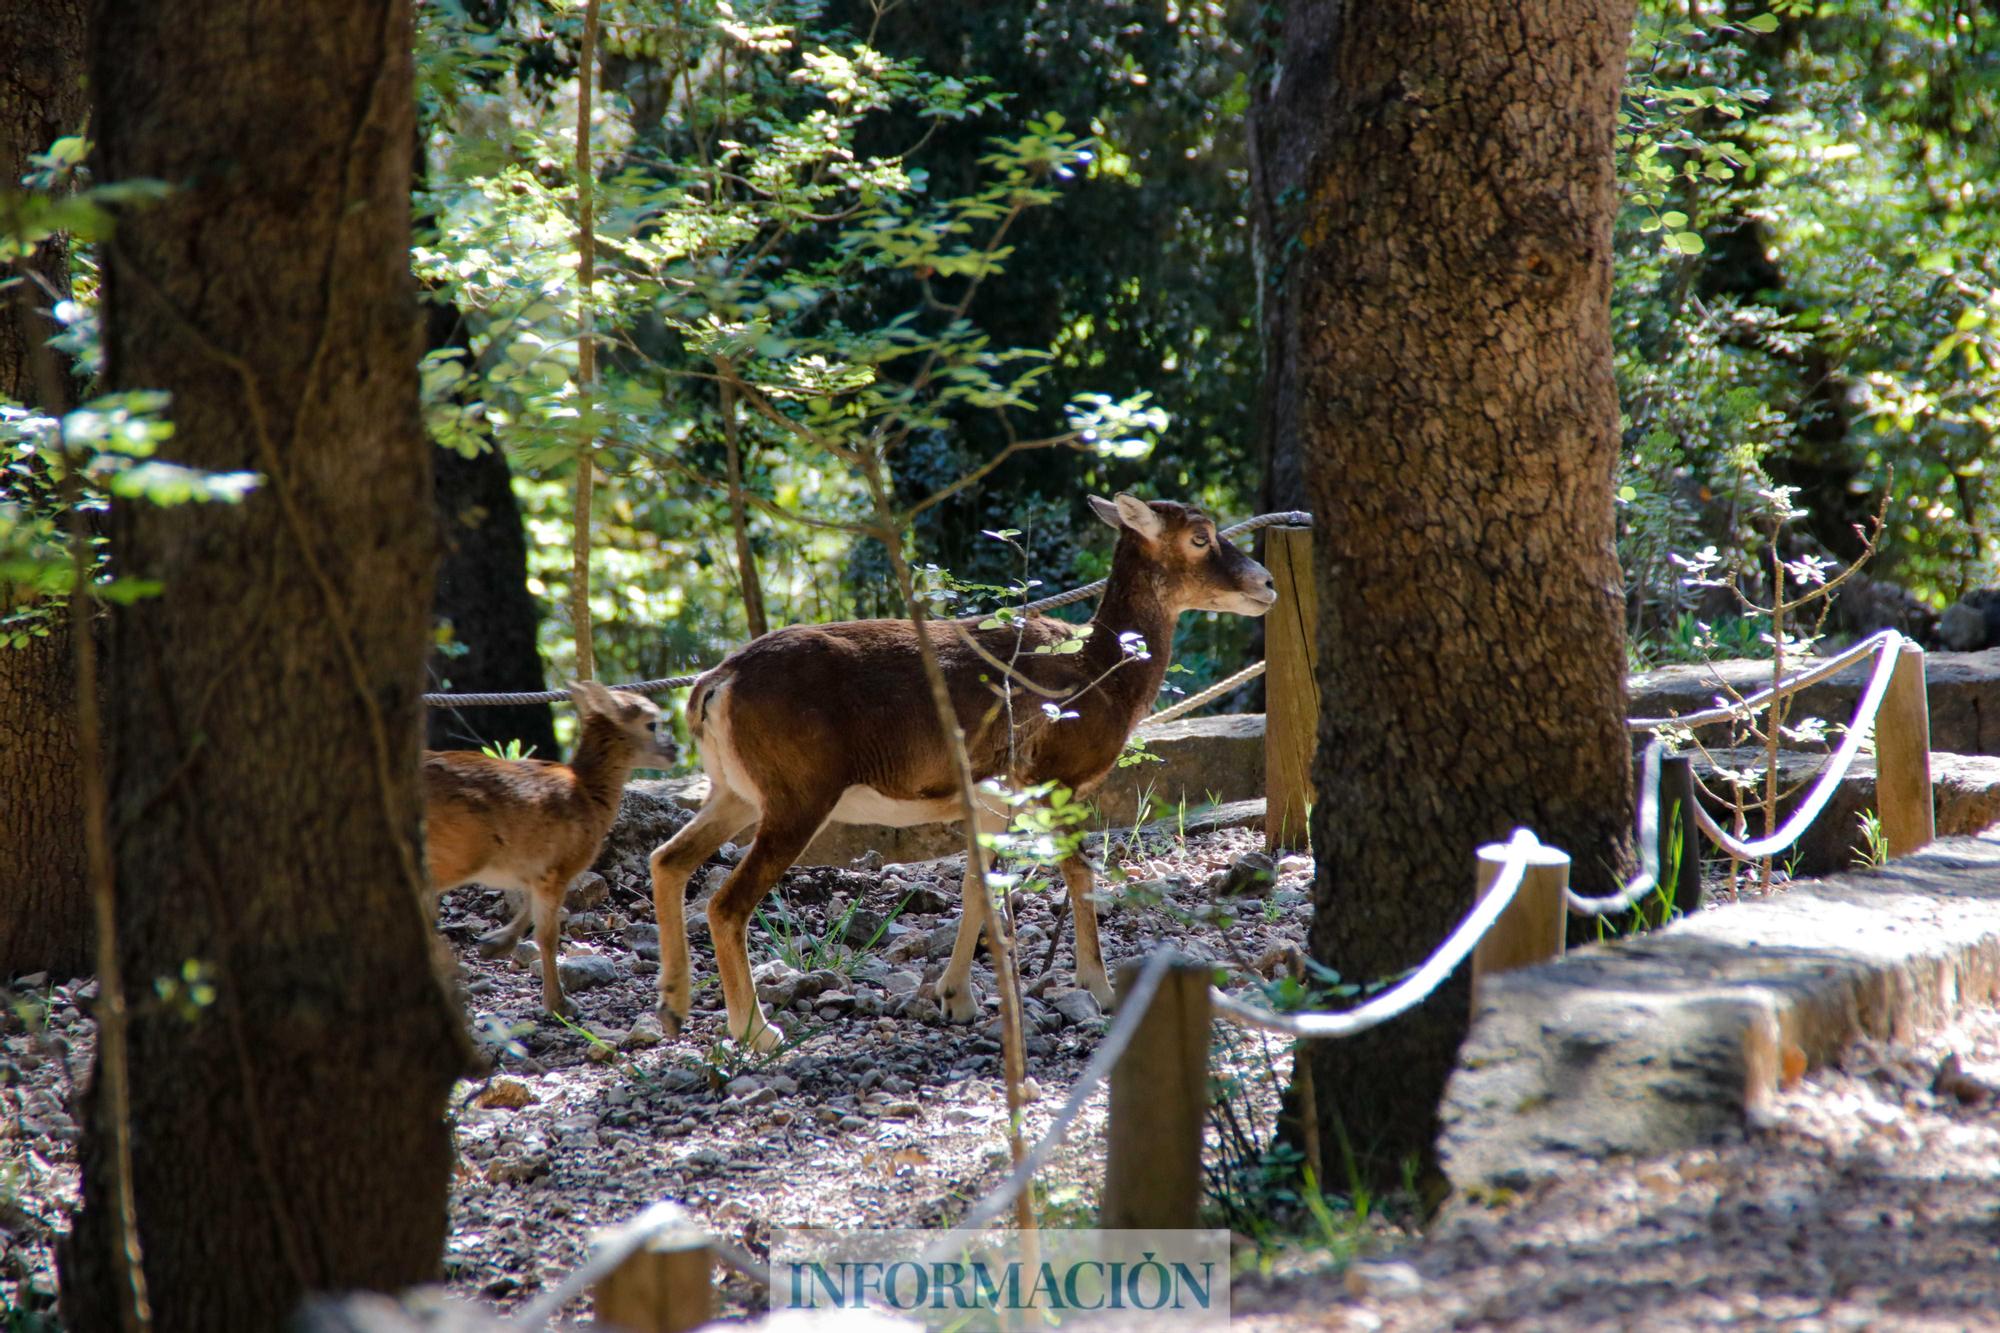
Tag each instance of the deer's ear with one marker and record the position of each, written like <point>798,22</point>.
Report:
<point>1139,516</point>
<point>1107,511</point>
<point>590,697</point>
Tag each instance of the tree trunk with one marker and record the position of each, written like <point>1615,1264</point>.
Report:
<point>291,1047</point>
<point>483,592</point>
<point>1460,431</point>
<point>44,905</point>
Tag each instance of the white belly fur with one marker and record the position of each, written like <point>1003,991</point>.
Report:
<point>865,805</point>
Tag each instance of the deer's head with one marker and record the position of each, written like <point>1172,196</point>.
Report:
<point>1193,566</point>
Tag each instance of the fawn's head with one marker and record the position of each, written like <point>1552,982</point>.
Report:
<point>632,719</point>
<point>1193,566</point>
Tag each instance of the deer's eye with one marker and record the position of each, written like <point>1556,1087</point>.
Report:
<point>653,725</point>
<point>1200,539</point>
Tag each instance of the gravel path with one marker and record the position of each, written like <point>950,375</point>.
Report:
<point>1865,1198</point>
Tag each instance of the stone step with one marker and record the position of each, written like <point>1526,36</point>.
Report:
<point>1965,787</point>
<point>1963,688</point>
<point>1667,1040</point>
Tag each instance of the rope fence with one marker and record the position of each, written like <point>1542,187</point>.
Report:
<point>1289,518</point>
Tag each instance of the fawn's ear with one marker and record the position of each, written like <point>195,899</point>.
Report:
<point>1107,511</point>
<point>590,697</point>
<point>1139,516</point>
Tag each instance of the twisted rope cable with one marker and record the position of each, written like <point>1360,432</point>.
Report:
<point>1648,878</point>
<point>1887,647</point>
<point>1209,695</point>
<point>1832,666</point>
<point>1131,1009</point>
<point>1830,777</point>
<point>1413,990</point>
<point>445,699</point>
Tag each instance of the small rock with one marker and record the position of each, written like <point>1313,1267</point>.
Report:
<point>1951,1080</point>
<point>864,927</point>
<point>645,1033</point>
<point>742,1085</point>
<point>868,860</point>
<point>730,852</point>
<point>921,1009</point>
<point>643,939</point>
<point>586,891</point>
<point>526,955</point>
<point>32,981</point>
<point>902,981</point>
<point>1296,865</point>
<point>852,1122</point>
<point>505,1094</point>
<point>518,1170</point>
<point>586,971</point>
<point>902,1110</point>
<point>1078,1007</point>
<point>777,982</point>
<point>1659,1177</point>
<point>1252,876</point>
<point>1383,1280</point>
<point>581,1123</point>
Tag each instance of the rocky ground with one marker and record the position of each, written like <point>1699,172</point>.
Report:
<point>1866,1197</point>
<point>877,1114</point>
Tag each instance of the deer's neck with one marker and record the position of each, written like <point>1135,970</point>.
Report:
<point>601,763</point>
<point>1132,605</point>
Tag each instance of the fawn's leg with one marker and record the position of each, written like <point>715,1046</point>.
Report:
<point>498,942</point>
<point>1081,879</point>
<point>548,906</point>
<point>781,836</point>
<point>722,816</point>
<point>954,987</point>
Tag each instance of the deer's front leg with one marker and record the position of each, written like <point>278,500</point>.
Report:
<point>1082,883</point>
<point>721,817</point>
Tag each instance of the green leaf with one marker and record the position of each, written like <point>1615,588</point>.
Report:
<point>1764,23</point>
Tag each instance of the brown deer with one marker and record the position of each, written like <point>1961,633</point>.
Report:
<point>531,826</point>
<point>819,722</point>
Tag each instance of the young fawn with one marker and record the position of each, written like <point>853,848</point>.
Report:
<point>531,826</point>
<point>834,722</point>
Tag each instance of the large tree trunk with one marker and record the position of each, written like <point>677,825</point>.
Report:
<point>263,713</point>
<point>44,906</point>
<point>1461,430</point>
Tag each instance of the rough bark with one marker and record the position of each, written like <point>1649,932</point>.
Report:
<point>263,719</point>
<point>44,908</point>
<point>1460,428</point>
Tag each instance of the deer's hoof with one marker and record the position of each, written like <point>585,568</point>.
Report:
<point>559,1005</point>
<point>498,943</point>
<point>763,1038</point>
<point>1100,991</point>
<point>671,1020</point>
<point>959,1005</point>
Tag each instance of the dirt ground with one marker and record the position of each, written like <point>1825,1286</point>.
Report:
<point>1863,1199</point>
<point>876,1115</point>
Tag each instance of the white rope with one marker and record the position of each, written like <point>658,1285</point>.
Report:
<point>1648,877</point>
<point>1209,695</point>
<point>1415,989</point>
<point>1832,666</point>
<point>1890,647</point>
<point>1131,1009</point>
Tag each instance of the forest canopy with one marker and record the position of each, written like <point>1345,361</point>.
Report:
<point>1013,254</point>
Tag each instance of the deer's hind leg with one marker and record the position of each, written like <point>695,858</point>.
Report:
<point>547,903</point>
<point>1081,880</point>
<point>721,817</point>
<point>781,836</point>
<point>954,987</point>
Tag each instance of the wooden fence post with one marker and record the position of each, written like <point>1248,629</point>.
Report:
<point>1677,799</point>
<point>1291,687</point>
<point>664,1287</point>
<point>1903,798</point>
<point>1159,1106</point>
<point>1531,929</point>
